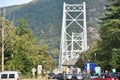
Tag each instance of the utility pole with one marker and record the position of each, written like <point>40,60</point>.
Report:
<point>3,39</point>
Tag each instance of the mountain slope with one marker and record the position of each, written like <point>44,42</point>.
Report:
<point>45,18</point>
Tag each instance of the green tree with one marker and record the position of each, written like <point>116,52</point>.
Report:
<point>115,59</point>
<point>19,44</point>
<point>22,51</point>
<point>109,35</point>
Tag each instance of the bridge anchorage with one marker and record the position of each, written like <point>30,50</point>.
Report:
<point>74,33</point>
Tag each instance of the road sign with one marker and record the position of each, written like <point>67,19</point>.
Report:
<point>88,67</point>
<point>97,70</point>
<point>33,71</point>
<point>113,70</point>
<point>39,69</point>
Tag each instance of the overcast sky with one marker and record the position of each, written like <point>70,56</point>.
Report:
<point>12,2</point>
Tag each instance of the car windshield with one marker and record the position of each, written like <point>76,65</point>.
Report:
<point>50,74</point>
<point>96,75</point>
<point>75,71</point>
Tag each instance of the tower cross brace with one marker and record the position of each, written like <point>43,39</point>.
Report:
<point>74,32</point>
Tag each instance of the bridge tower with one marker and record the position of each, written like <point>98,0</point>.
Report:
<point>74,32</point>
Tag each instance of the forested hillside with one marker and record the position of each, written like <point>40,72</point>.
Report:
<point>45,19</point>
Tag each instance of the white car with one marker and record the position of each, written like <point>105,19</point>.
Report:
<point>74,76</point>
<point>10,75</point>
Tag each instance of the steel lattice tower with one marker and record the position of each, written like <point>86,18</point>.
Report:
<point>74,32</point>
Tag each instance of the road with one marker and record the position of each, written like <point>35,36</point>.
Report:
<point>39,79</point>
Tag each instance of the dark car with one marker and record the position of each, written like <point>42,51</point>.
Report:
<point>60,76</point>
<point>94,76</point>
<point>117,75</point>
<point>52,76</point>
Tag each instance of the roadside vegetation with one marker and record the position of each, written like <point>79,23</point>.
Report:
<point>22,50</point>
<point>106,52</point>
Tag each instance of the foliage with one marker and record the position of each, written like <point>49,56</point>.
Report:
<point>110,37</point>
<point>22,52</point>
<point>45,18</point>
<point>115,59</point>
<point>88,56</point>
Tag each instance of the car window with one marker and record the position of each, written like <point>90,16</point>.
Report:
<point>96,75</point>
<point>107,76</point>
<point>50,74</point>
<point>74,71</point>
<point>11,75</point>
<point>4,76</point>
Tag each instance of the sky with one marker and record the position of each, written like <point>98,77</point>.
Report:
<point>5,3</point>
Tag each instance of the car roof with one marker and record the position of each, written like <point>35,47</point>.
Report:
<point>3,72</point>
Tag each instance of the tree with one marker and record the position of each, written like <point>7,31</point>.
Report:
<point>18,47</point>
<point>22,51</point>
<point>109,35</point>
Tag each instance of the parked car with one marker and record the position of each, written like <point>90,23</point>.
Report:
<point>117,75</point>
<point>106,77</point>
<point>94,76</point>
<point>52,76</point>
<point>10,75</point>
<point>74,76</point>
<point>60,76</point>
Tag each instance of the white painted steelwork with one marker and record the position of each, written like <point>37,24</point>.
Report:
<point>74,32</point>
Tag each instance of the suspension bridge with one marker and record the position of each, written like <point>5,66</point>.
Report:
<point>73,34</point>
